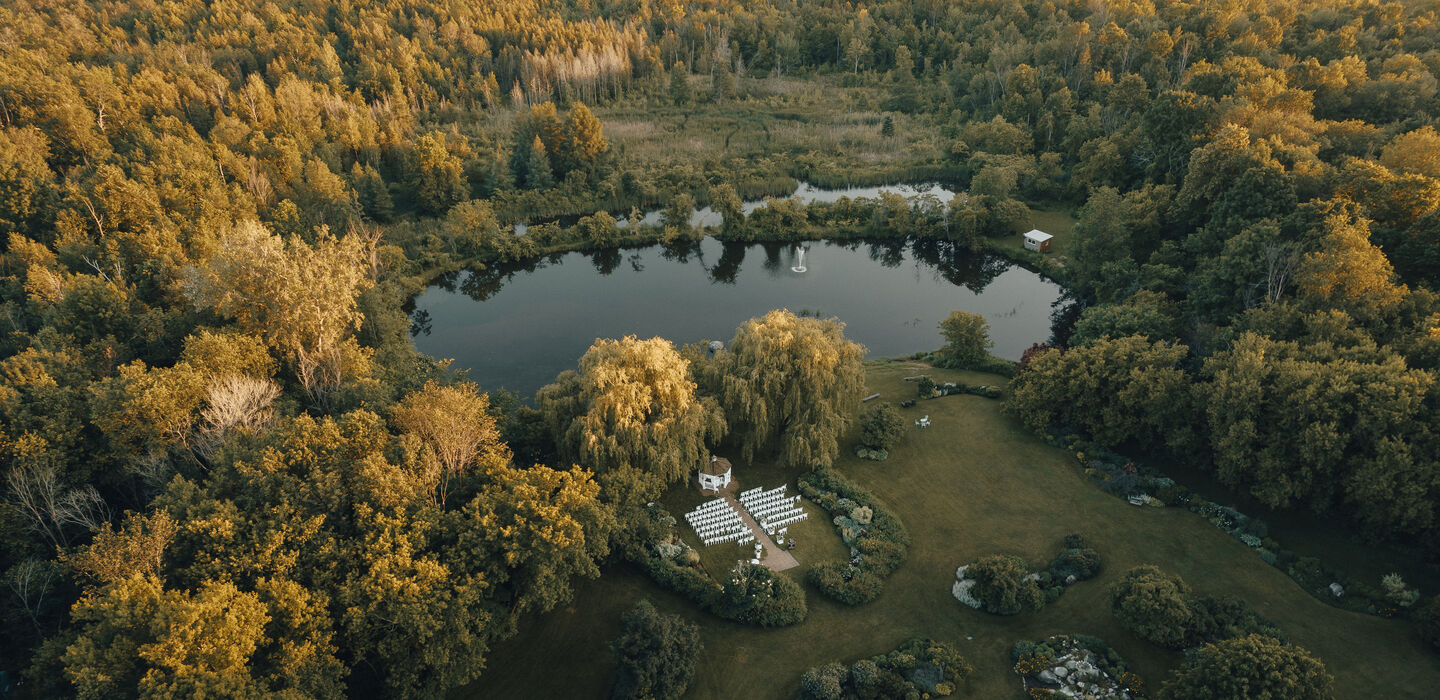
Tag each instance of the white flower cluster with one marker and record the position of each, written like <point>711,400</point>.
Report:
<point>962,587</point>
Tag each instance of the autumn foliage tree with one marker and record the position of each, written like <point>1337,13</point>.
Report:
<point>455,422</point>
<point>299,297</point>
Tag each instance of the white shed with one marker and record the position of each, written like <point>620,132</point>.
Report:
<point>1038,241</point>
<point>715,475</point>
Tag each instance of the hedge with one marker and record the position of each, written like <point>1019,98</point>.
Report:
<point>879,545</point>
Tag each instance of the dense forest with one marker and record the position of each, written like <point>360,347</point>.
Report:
<point>227,471</point>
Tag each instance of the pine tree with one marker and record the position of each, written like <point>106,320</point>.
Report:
<point>372,192</point>
<point>539,174</point>
<point>888,128</point>
<point>679,84</point>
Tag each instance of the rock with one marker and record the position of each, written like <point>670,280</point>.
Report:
<point>1046,676</point>
<point>1060,671</point>
<point>1337,590</point>
<point>1070,580</point>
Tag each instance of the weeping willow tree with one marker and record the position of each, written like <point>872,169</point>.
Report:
<point>632,416</point>
<point>790,383</point>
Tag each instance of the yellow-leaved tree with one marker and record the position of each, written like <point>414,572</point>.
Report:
<point>300,297</point>
<point>631,415</point>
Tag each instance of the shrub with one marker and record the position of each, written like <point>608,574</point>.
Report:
<point>1226,617</point>
<point>824,683</point>
<point>925,387</point>
<point>754,595</point>
<point>1083,564</point>
<point>1255,666</point>
<point>1152,605</point>
<point>878,537</point>
<point>654,654</point>
<point>1002,586</point>
<point>918,667</point>
<point>881,427</point>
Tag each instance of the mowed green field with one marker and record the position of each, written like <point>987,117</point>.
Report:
<point>975,483</point>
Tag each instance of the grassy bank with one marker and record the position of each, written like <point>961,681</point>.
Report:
<point>976,483</point>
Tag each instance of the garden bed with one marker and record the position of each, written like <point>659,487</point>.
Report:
<point>877,538</point>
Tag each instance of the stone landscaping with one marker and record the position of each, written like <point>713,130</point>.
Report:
<point>1074,667</point>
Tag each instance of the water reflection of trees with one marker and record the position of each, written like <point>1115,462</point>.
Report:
<point>727,268</point>
<point>952,262</point>
<point>957,264</point>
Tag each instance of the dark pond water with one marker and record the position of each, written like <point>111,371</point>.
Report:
<point>517,327</point>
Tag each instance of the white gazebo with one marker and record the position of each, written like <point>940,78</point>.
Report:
<point>1038,241</point>
<point>715,475</point>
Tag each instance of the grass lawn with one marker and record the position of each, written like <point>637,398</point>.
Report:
<point>1055,219</point>
<point>975,483</point>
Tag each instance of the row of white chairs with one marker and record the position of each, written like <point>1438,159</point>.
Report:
<point>771,526</point>
<point>777,498</point>
<point>728,522</point>
<point>708,506</point>
<point>787,504</point>
<point>781,518</point>
<point>725,537</point>
<point>773,493</point>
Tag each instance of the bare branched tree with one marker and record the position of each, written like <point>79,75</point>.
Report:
<point>235,402</point>
<point>84,507</point>
<point>35,490</point>
<point>30,581</point>
<point>1280,261</point>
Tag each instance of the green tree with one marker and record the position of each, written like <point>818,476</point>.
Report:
<point>887,128</point>
<point>1250,667</point>
<point>539,174</point>
<point>1118,391</point>
<point>726,201</point>
<point>882,427</point>
<point>527,534</point>
<point>137,640</point>
<point>1002,587</point>
<point>1153,605</point>
<point>680,92</point>
<point>1145,313</point>
<point>654,655</point>
<point>1302,423</point>
<point>439,179</point>
<point>586,138</point>
<point>967,340</point>
<point>372,193</point>
<point>790,383</point>
<point>1101,239</point>
<point>631,414</point>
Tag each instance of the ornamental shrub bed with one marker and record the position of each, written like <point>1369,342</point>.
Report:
<point>917,669</point>
<point>1126,478</point>
<point>878,540</point>
<point>750,595</point>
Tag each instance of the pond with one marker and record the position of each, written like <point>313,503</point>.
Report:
<point>517,326</point>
